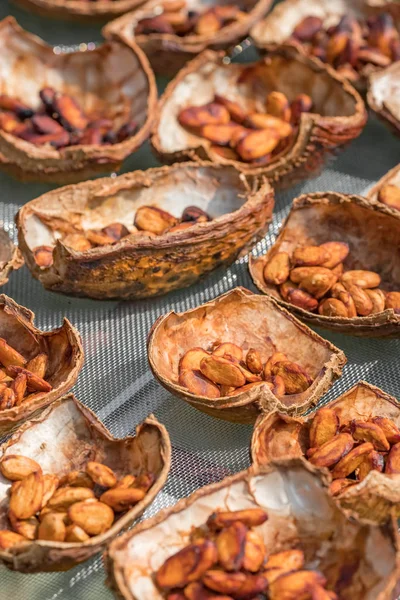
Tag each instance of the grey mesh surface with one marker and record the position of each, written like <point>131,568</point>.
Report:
<point>116,382</point>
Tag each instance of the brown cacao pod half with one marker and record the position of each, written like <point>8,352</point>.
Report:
<point>65,359</point>
<point>277,435</point>
<point>168,52</point>
<point>331,540</point>
<point>372,232</point>
<point>338,114</point>
<point>141,266</point>
<point>29,162</point>
<point>384,97</point>
<point>76,10</point>
<point>387,189</point>
<point>63,439</point>
<point>282,26</point>
<point>10,257</point>
<point>232,317</point>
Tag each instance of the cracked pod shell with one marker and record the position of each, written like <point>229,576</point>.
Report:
<point>85,11</point>
<point>309,520</point>
<point>278,436</point>
<point>372,231</point>
<point>278,25</point>
<point>140,266</point>
<point>168,53</point>
<point>63,346</point>
<point>111,79</point>
<point>64,438</point>
<point>392,177</point>
<point>339,115</point>
<point>10,257</point>
<point>384,96</point>
<point>231,318</point>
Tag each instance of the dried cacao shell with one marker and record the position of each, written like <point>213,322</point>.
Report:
<point>371,230</point>
<point>374,495</point>
<point>283,69</point>
<point>387,189</point>
<point>168,58</point>
<point>62,440</point>
<point>382,96</point>
<point>331,537</point>
<point>222,319</point>
<point>10,257</point>
<point>294,22</point>
<point>109,95</point>
<point>152,265</point>
<point>78,11</point>
<point>63,346</point>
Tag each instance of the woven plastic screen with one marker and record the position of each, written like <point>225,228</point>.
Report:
<point>116,381</point>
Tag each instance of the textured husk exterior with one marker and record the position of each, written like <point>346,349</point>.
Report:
<point>392,177</point>
<point>72,436</point>
<point>29,64</point>
<point>10,257</point>
<point>375,498</point>
<point>372,231</point>
<point>278,25</point>
<point>168,53</point>
<point>231,317</point>
<point>63,345</point>
<point>78,10</point>
<point>383,96</point>
<point>141,266</point>
<point>331,540</point>
<point>319,135</point>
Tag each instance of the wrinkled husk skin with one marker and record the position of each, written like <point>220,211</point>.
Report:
<point>319,135</point>
<point>278,25</point>
<point>231,318</point>
<point>372,231</point>
<point>392,177</point>
<point>381,109</point>
<point>63,346</point>
<point>73,436</point>
<point>28,162</point>
<point>152,266</point>
<point>277,436</point>
<point>78,10</point>
<point>330,540</point>
<point>169,53</point>
<point>10,257</point>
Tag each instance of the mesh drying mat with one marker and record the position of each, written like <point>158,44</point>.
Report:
<point>116,382</point>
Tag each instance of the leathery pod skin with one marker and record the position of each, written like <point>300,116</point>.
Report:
<point>133,85</point>
<point>64,351</point>
<point>331,539</point>
<point>377,495</point>
<point>168,52</point>
<point>372,232</point>
<point>285,21</point>
<point>63,440</point>
<point>140,265</point>
<point>231,318</point>
<point>332,123</point>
